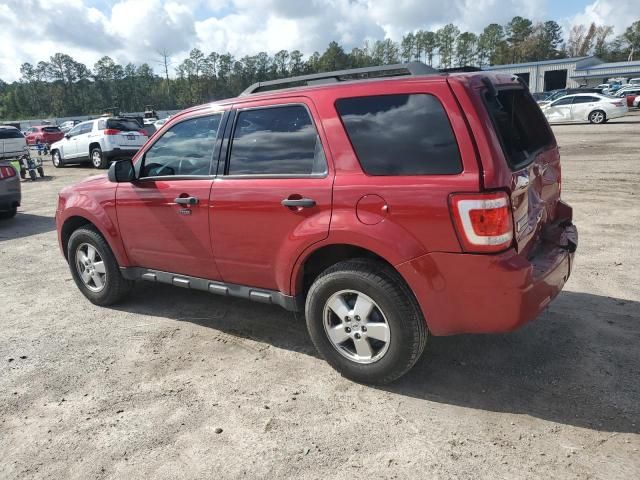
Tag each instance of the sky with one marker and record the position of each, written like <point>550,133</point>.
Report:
<point>136,30</point>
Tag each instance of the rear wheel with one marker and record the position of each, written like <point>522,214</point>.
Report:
<point>56,159</point>
<point>41,171</point>
<point>94,268</point>
<point>9,213</point>
<point>365,322</point>
<point>32,174</point>
<point>97,158</point>
<point>597,117</point>
<point>23,173</point>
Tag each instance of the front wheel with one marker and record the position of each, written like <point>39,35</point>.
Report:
<point>32,174</point>
<point>365,322</point>
<point>94,268</point>
<point>597,117</point>
<point>97,158</point>
<point>56,159</point>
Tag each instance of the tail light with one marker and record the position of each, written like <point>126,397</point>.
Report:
<point>111,131</point>
<point>143,132</point>
<point>617,104</point>
<point>483,221</point>
<point>7,172</point>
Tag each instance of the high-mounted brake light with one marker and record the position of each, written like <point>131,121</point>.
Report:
<point>483,221</point>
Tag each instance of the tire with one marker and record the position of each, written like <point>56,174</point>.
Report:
<point>32,174</point>
<point>97,158</point>
<point>9,214</point>
<point>41,171</point>
<point>405,333</point>
<point>597,117</point>
<point>56,159</point>
<point>113,287</point>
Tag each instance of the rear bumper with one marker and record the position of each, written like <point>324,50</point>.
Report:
<point>465,293</point>
<point>121,153</point>
<point>11,198</point>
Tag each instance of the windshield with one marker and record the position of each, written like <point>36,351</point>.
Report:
<point>520,124</point>
<point>10,133</point>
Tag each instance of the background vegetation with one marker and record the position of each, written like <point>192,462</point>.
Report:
<point>63,87</point>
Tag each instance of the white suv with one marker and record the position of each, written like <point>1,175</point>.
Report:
<point>99,141</point>
<point>12,143</point>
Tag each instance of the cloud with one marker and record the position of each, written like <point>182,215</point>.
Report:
<point>136,30</point>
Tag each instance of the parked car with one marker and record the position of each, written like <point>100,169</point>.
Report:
<point>12,143</point>
<point>594,108</point>
<point>629,94</point>
<point>386,210</point>
<point>44,134</point>
<point>68,125</point>
<point>636,101</point>
<point>10,195</point>
<point>556,94</point>
<point>99,141</point>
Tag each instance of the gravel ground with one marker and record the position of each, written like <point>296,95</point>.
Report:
<point>179,384</point>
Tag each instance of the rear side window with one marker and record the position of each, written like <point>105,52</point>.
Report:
<point>123,124</point>
<point>520,124</point>
<point>51,130</point>
<point>6,133</point>
<point>276,141</point>
<point>400,135</point>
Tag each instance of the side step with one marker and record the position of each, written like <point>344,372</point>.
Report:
<point>272,297</point>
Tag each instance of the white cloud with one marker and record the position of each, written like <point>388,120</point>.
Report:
<point>135,30</point>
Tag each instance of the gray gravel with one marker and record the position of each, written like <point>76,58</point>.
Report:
<point>178,384</point>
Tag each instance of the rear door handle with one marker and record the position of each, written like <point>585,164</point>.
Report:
<point>186,200</point>
<point>299,202</point>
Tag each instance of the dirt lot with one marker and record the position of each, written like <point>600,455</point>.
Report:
<point>138,391</point>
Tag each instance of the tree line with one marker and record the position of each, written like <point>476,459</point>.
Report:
<point>63,87</point>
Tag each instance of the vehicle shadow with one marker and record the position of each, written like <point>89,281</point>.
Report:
<point>578,364</point>
<point>25,225</point>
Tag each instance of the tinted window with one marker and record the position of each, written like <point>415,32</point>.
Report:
<point>51,130</point>
<point>10,133</point>
<point>400,135</point>
<point>520,124</point>
<point>86,128</point>
<point>184,149</point>
<point>276,141</point>
<point>74,131</point>
<point>123,124</point>
<point>563,101</point>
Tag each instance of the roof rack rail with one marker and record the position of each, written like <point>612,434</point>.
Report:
<point>398,69</point>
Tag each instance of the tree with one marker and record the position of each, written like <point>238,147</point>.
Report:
<point>632,36</point>
<point>518,30</point>
<point>466,49</point>
<point>491,45</point>
<point>408,47</point>
<point>601,47</point>
<point>427,43</point>
<point>333,58</point>
<point>447,36</point>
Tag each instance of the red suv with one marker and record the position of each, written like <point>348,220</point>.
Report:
<point>386,209</point>
<point>44,134</point>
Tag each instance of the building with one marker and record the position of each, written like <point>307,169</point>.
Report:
<point>568,72</point>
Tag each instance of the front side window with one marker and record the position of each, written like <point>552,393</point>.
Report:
<point>276,141</point>
<point>86,128</point>
<point>563,101</point>
<point>184,149</point>
<point>400,134</point>
<point>74,131</point>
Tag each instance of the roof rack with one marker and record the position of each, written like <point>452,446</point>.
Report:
<point>398,69</point>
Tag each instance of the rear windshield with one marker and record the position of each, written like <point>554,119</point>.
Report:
<point>123,124</point>
<point>520,123</point>
<point>10,133</point>
<point>51,129</point>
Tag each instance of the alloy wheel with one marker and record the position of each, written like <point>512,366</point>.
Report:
<point>91,267</point>
<point>356,326</point>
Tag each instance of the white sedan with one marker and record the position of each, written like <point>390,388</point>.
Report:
<point>592,107</point>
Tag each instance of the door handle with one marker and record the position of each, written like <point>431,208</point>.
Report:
<point>186,200</point>
<point>299,202</point>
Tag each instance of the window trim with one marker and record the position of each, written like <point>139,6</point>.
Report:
<point>225,155</point>
<point>215,151</point>
<point>429,175</point>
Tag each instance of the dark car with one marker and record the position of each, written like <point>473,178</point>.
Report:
<point>384,210</point>
<point>10,195</point>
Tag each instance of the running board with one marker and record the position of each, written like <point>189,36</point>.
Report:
<point>272,297</point>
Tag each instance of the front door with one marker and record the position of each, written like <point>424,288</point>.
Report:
<point>272,199</point>
<point>164,215</point>
<point>70,140</point>
<point>560,110</point>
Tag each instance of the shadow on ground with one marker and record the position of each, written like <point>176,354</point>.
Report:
<point>579,364</point>
<point>25,225</point>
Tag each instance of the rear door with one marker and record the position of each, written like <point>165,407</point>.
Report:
<point>164,215</point>
<point>532,161</point>
<point>272,196</point>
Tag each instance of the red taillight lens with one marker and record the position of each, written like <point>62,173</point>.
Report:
<point>111,131</point>
<point>483,221</point>
<point>7,172</point>
<point>143,132</point>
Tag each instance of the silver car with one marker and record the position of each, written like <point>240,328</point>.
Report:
<point>12,142</point>
<point>10,195</point>
<point>587,107</point>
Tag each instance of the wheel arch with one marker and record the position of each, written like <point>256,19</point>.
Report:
<point>79,220</point>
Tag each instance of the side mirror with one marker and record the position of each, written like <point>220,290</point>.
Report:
<point>67,136</point>
<point>122,172</point>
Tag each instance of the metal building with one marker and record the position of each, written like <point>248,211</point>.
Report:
<point>596,74</point>
<point>549,74</point>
